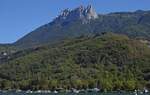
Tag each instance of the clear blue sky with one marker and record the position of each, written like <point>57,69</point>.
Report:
<point>19,17</point>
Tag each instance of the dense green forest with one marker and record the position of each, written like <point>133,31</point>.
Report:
<point>109,61</point>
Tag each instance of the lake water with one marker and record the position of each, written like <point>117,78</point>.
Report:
<point>86,93</point>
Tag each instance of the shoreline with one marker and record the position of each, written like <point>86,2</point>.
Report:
<point>95,90</point>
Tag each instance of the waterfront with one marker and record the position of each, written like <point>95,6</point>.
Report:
<point>70,93</point>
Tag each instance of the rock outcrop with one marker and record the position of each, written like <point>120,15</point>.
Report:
<point>81,13</point>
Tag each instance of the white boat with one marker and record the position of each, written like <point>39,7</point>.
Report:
<point>146,90</point>
<point>48,91</point>
<point>18,90</point>
<point>135,92</point>
<point>55,91</point>
<point>42,91</point>
<point>39,91</point>
<point>75,90</point>
<point>29,91</point>
<point>96,89</point>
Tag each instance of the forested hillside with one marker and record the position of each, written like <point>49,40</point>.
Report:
<point>107,61</point>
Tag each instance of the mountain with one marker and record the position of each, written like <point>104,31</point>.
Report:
<point>108,61</point>
<point>81,49</point>
<point>85,21</point>
<point>58,29</point>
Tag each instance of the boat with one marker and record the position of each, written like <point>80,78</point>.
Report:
<point>96,89</point>
<point>55,91</point>
<point>145,90</point>
<point>17,91</point>
<point>39,91</point>
<point>75,90</point>
<point>93,90</point>
<point>29,91</point>
<point>135,92</point>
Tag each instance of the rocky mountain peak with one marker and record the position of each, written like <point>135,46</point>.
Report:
<point>64,13</point>
<point>90,12</point>
<point>81,13</point>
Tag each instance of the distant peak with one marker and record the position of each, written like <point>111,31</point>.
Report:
<point>79,9</point>
<point>65,12</point>
<point>90,8</point>
<point>81,12</point>
<point>91,13</point>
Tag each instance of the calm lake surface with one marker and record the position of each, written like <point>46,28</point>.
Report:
<point>86,93</point>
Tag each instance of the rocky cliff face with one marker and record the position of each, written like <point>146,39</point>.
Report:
<point>81,13</point>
